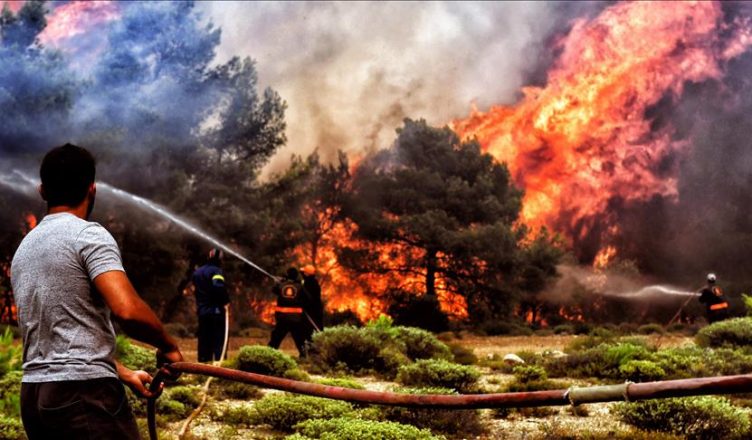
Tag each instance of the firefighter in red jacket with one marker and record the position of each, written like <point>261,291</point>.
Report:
<point>714,300</point>
<point>290,317</point>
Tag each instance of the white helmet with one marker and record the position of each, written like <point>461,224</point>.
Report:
<point>711,278</point>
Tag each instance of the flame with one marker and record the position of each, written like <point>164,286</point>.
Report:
<point>604,257</point>
<point>29,222</point>
<point>13,5</point>
<point>76,18</point>
<point>366,294</point>
<point>583,139</point>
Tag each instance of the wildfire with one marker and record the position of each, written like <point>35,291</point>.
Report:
<point>584,138</point>
<point>29,222</point>
<point>75,18</point>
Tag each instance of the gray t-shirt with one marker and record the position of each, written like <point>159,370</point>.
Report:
<point>66,326</point>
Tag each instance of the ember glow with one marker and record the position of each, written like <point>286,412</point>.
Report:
<point>584,138</point>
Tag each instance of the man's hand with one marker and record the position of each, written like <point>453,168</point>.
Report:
<point>168,357</point>
<point>138,381</point>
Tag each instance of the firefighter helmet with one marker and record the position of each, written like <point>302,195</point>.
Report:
<point>711,278</point>
<point>216,254</point>
<point>308,270</point>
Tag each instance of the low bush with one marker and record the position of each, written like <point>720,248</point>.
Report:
<point>735,332</point>
<point>464,422</point>
<point>641,371</point>
<point>422,344</point>
<point>357,429</point>
<point>264,360</point>
<point>10,394</point>
<point>530,378</point>
<point>228,389</point>
<point>462,355</point>
<point>235,415</point>
<point>651,329</point>
<point>11,428</point>
<point>133,356</point>
<point>284,411</point>
<point>706,418</point>
<point>602,361</point>
<point>11,354</point>
<point>564,329</point>
<point>190,396</point>
<point>345,347</point>
<point>439,373</point>
<point>342,382</point>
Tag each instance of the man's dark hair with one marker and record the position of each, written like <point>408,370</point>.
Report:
<point>67,172</point>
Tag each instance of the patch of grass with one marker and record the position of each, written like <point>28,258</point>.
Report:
<point>439,373</point>
<point>357,429</point>
<point>283,411</point>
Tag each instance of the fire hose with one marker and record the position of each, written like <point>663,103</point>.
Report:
<point>574,396</point>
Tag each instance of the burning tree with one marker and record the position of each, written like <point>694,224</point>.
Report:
<point>450,214</point>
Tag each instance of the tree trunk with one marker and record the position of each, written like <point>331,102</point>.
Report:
<point>431,272</point>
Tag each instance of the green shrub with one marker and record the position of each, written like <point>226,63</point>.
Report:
<point>284,411</point>
<point>264,360</point>
<point>529,373</point>
<point>564,329</point>
<point>11,428</point>
<point>342,382</point>
<point>346,346</point>
<point>651,329</point>
<point>530,378</point>
<point>642,371</point>
<point>228,389</point>
<point>356,429</point>
<point>389,360</point>
<point>439,373</point>
<point>747,300</point>
<point>422,344</point>
<point>10,353</point>
<point>602,361</point>
<point>134,356</point>
<point>236,415</point>
<point>735,332</point>
<point>706,417</point>
<point>462,355</point>
<point>190,396</point>
<point>447,421</point>
<point>10,394</point>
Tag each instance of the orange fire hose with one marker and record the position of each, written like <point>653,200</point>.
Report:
<point>573,396</point>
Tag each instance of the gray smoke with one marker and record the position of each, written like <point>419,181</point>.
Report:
<point>351,71</point>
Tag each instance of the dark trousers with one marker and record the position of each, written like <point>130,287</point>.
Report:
<point>290,323</point>
<point>77,410</point>
<point>717,315</point>
<point>211,337</point>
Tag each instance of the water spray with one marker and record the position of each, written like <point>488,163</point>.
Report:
<point>23,183</point>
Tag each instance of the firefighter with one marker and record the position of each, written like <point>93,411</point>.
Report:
<point>292,302</point>
<point>714,300</point>
<point>316,309</point>
<point>211,298</point>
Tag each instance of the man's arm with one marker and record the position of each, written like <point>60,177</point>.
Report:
<point>134,316</point>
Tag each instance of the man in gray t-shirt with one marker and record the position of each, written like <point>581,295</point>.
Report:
<point>68,281</point>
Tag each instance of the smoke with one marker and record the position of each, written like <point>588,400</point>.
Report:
<point>351,71</point>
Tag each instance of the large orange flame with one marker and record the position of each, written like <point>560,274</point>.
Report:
<point>75,18</point>
<point>584,137</point>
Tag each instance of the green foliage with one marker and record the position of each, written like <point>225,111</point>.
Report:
<point>133,356</point>
<point>564,329</point>
<point>10,352</point>
<point>228,389</point>
<point>236,415</point>
<point>342,382</point>
<point>735,332</point>
<point>284,411</point>
<point>11,428</point>
<point>651,329</point>
<point>747,300</point>
<point>706,418</point>
<point>641,371</point>
<point>601,361</point>
<point>264,360</point>
<point>530,378</point>
<point>421,344</point>
<point>439,373</point>
<point>346,346</point>
<point>190,396</point>
<point>463,355</point>
<point>456,422</point>
<point>379,348</point>
<point>343,428</point>
<point>10,393</point>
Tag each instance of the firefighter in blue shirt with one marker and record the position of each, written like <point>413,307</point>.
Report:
<point>211,298</point>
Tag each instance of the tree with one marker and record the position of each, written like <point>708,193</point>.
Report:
<point>451,213</point>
